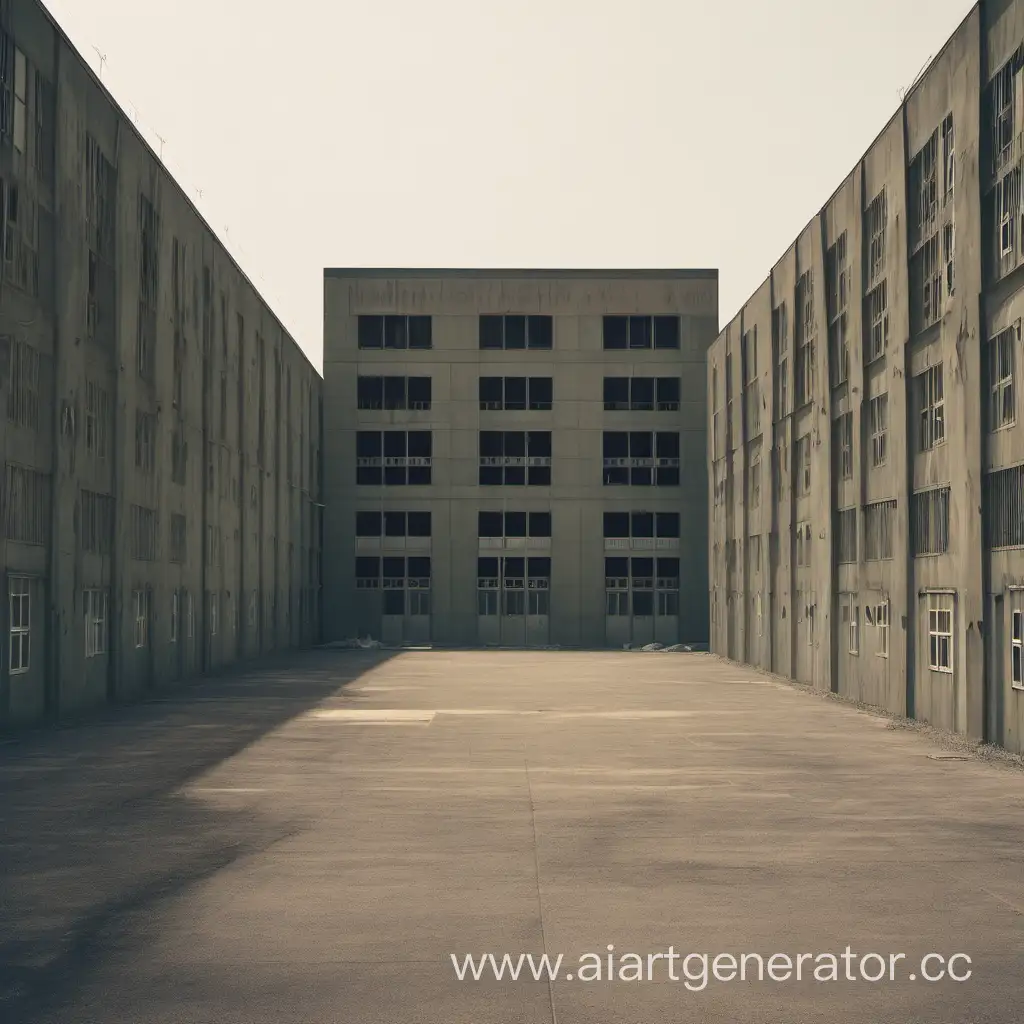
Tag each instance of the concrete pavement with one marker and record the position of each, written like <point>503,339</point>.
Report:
<point>310,841</point>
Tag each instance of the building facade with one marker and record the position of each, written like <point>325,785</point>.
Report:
<point>866,429</point>
<point>516,457</point>
<point>160,431</point>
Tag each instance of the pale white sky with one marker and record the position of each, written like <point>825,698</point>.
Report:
<point>533,133</point>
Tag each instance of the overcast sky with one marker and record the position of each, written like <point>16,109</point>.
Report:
<point>535,133</point>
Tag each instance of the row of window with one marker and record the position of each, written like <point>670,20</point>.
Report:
<point>520,394</point>
<point>517,332</point>
<point>617,525</point>
<point>516,457</point>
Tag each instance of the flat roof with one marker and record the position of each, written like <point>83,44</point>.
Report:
<point>431,272</point>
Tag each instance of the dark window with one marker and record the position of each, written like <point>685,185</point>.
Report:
<point>616,394</point>
<point>641,394</point>
<point>616,524</point>
<point>668,394</point>
<point>616,332</point>
<point>492,332</point>
<point>371,332</point>
<point>394,601</point>
<point>487,568</point>
<point>368,524</point>
<point>394,524</point>
<point>419,392</point>
<point>514,568</point>
<point>538,568</point>
<point>643,602</point>
<point>667,524</point>
<point>540,524</point>
<point>515,524</point>
<point>367,567</point>
<point>515,394</point>
<point>616,568</point>
<point>666,332</point>
<point>394,392</point>
<point>540,331</point>
<point>396,332</point>
<point>490,524</point>
<point>668,568</point>
<point>642,524</point>
<point>491,392</point>
<point>419,524</point>
<point>421,332</point>
<point>515,331</point>
<point>540,393</point>
<point>419,567</point>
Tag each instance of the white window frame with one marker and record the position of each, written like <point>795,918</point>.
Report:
<point>19,595</point>
<point>882,625</point>
<point>940,628</point>
<point>1017,649</point>
<point>95,602</point>
<point>140,605</point>
<point>932,398</point>
<point>998,384</point>
<point>878,414</point>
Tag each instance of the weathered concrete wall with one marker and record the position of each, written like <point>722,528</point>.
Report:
<point>979,285</point>
<point>576,497</point>
<point>217,362</point>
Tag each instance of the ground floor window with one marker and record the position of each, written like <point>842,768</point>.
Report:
<point>882,624</point>
<point>849,614</point>
<point>1017,650</point>
<point>940,632</point>
<point>95,602</point>
<point>140,603</point>
<point>641,587</point>
<point>20,605</point>
<point>404,583</point>
<point>513,586</point>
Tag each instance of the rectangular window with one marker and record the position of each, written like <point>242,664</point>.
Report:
<point>25,505</point>
<point>95,603</point>
<point>20,619</point>
<point>1001,364</point>
<point>1003,505</point>
<point>143,537</point>
<point>641,458</point>
<point>846,535</point>
<point>641,394</point>
<point>806,363</point>
<point>837,280</point>
<point>876,322</point>
<point>940,632</point>
<point>843,442</point>
<point>948,159</point>
<point>926,272</point>
<point>393,392</point>
<point>879,523</point>
<point>140,605</point>
<point>780,360</point>
<point>931,404</point>
<point>923,189</point>
<point>1017,650</point>
<point>930,524</point>
<point>515,394</point>
<point>515,458</point>
<point>24,386</point>
<point>875,218</point>
<point>145,442</point>
<point>149,281</point>
<point>175,615</point>
<point>516,331</point>
<point>393,457</point>
<point>179,539</point>
<point>878,414</point>
<point>513,524</point>
<point>882,625</point>
<point>97,522</point>
<point>97,420</point>
<point>848,613</point>
<point>803,465</point>
<point>626,332</point>
<point>395,332</point>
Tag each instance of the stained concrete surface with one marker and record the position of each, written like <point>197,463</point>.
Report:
<point>310,841</point>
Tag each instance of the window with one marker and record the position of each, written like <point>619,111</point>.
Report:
<point>97,420</point>
<point>1005,100</point>
<point>1006,199</point>
<point>395,332</point>
<point>643,527</point>
<point>641,585</point>
<point>19,134</point>
<point>149,280</point>
<point>780,358</point>
<point>175,613</point>
<point>876,322</point>
<point>145,442</point>
<point>849,612</point>
<point>143,538</point>
<point>925,286</point>
<point>931,407</point>
<point>140,604</point>
<point>882,625</point>
<point>21,262</point>
<point>948,159</point>
<point>214,604</point>
<point>393,392</point>
<point>803,544</point>
<point>846,535</point>
<point>392,458</point>
<point>875,218</point>
<point>879,522</point>
<point>940,632</point>
<point>24,389</point>
<point>837,280</point>
<point>843,442</point>
<point>754,479</point>
<point>179,452</point>
<point>97,524</point>
<point>949,256</point>
<point>513,525</point>
<point>930,524</point>
<point>803,465</point>
<point>751,385</point>
<point>20,619</point>
<point>515,458</point>
<point>625,332</point>
<point>878,415</point>
<point>398,578</point>
<point>515,394</point>
<point>95,603</point>
<point>516,332</point>
<point>641,458</point>
<point>1003,505</point>
<point>641,394</point>
<point>179,539</point>
<point>1017,650</point>
<point>923,197</point>
<point>1000,358</point>
<point>806,364</point>
<point>782,468</point>
<point>393,524</point>
<point>25,505</point>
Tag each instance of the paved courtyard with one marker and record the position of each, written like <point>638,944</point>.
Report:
<point>310,842</point>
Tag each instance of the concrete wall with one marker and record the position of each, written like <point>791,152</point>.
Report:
<point>251,514</point>
<point>975,578</point>
<point>577,497</point>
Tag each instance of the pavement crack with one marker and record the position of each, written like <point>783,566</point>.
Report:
<point>540,898</point>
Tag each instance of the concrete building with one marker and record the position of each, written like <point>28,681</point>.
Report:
<point>516,457</point>
<point>160,431</point>
<point>867,433</point>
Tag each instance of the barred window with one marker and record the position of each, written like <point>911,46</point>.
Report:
<point>846,535</point>
<point>931,405</point>
<point>1001,360</point>
<point>878,413</point>
<point>25,504</point>
<point>930,524</point>
<point>97,522</point>
<point>179,538</point>
<point>843,442</point>
<point>24,398</point>
<point>876,322</point>
<point>143,542</point>
<point>1003,502</point>
<point>879,522</point>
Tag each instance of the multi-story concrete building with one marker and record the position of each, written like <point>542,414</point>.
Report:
<point>160,431</point>
<point>516,457</point>
<point>867,434</point>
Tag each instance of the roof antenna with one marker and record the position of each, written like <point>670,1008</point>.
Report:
<point>103,60</point>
